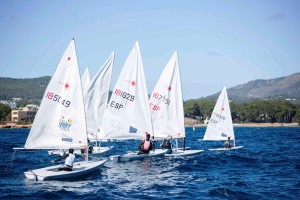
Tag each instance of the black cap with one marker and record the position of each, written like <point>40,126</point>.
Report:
<point>71,150</point>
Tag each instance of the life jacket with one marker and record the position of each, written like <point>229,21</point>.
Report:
<point>90,149</point>
<point>70,160</point>
<point>166,144</point>
<point>146,145</point>
<point>227,144</point>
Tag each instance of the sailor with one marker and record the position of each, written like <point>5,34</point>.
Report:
<point>167,144</point>
<point>91,149</point>
<point>146,145</point>
<point>68,166</point>
<point>227,144</point>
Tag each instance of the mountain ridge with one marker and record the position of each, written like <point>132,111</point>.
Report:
<point>286,87</point>
<point>281,88</point>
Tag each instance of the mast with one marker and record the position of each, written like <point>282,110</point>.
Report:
<point>87,144</point>
<point>181,100</point>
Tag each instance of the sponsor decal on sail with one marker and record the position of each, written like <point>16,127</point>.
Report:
<point>132,129</point>
<point>65,124</point>
<point>223,135</point>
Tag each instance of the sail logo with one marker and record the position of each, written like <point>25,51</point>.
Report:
<point>132,129</point>
<point>65,124</point>
<point>223,135</point>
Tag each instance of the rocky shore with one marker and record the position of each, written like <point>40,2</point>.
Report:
<point>15,125</point>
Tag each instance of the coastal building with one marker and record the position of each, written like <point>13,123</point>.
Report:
<point>25,114</point>
<point>16,99</point>
<point>206,121</point>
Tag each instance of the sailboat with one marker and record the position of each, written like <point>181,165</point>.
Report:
<point>127,116</point>
<point>95,98</point>
<point>166,107</point>
<point>60,122</point>
<point>220,125</point>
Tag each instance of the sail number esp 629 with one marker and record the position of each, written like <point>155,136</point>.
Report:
<point>123,95</point>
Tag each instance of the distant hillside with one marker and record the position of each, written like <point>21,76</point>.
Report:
<point>287,87</point>
<point>28,88</point>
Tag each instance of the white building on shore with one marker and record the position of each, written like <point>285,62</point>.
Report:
<point>25,114</point>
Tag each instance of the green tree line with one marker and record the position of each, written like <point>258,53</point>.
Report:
<point>30,88</point>
<point>5,111</point>
<point>255,112</point>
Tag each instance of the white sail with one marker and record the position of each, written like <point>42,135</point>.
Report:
<point>95,97</point>
<point>85,79</point>
<point>60,121</point>
<point>166,107</point>
<point>127,115</point>
<point>220,125</point>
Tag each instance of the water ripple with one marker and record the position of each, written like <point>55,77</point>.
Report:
<point>266,168</point>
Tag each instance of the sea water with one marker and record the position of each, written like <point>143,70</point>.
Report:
<point>268,167</point>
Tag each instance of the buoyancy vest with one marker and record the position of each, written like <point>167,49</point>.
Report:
<point>166,144</point>
<point>146,145</point>
<point>227,144</point>
<point>70,160</point>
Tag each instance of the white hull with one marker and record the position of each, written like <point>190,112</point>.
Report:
<point>134,156</point>
<point>226,149</point>
<point>186,148</point>
<point>180,152</point>
<point>101,150</point>
<point>96,151</point>
<point>52,173</point>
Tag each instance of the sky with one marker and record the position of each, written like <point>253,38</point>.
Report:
<point>219,42</point>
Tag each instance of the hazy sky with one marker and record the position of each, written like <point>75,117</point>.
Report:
<point>220,43</point>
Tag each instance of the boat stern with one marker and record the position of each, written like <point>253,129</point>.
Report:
<point>115,158</point>
<point>32,176</point>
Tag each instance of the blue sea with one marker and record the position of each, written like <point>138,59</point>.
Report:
<point>268,167</point>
